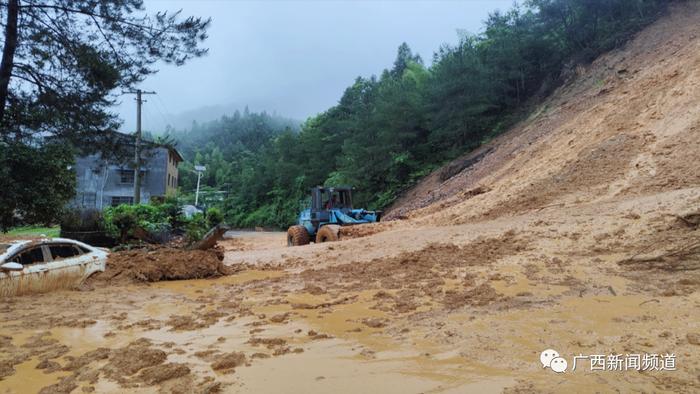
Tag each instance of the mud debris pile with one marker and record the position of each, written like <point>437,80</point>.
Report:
<point>156,264</point>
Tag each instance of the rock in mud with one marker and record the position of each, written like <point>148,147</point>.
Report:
<point>87,358</point>
<point>227,362</point>
<point>268,342</point>
<point>281,318</point>
<point>374,323</point>
<point>160,373</point>
<point>48,366</point>
<point>693,338</point>
<point>64,386</point>
<point>132,358</point>
<point>183,323</point>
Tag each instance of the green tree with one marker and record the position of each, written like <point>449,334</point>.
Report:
<point>62,59</point>
<point>61,62</point>
<point>37,181</point>
<point>387,132</point>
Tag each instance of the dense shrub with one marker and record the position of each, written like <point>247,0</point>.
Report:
<point>87,226</point>
<point>214,216</point>
<point>158,220</point>
<point>196,228</point>
<point>76,220</point>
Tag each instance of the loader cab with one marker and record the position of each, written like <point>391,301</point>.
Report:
<point>324,199</point>
<point>321,218</point>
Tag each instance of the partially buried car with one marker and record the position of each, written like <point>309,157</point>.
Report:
<point>37,266</point>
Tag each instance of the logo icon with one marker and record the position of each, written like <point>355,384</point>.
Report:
<point>550,358</point>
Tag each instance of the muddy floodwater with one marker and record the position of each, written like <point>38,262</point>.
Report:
<point>440,318</point>
<point>305,348</point>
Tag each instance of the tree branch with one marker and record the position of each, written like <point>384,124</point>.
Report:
<point>116,54</point>
<point>30,80</point>
<point>94,15</point>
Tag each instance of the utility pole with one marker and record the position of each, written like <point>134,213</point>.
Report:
<point>137,153</point>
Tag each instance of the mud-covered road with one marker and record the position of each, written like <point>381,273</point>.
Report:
<point>448,309</point>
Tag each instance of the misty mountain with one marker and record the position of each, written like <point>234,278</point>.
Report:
<point>157,120</point>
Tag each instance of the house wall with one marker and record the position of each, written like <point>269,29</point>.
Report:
<point>98,181</point>
<point>172,174</point>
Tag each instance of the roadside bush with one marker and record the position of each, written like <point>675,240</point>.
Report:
<point>196,228</point>
<point>86,225</point>
<point>82,220</point>
<point>214,216</point>
<point>158,220</point>
<point>123,221</point>
<point>172,209</point>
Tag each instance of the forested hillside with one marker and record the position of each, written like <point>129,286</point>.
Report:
<point>387,132</point>
<point>227,146</point>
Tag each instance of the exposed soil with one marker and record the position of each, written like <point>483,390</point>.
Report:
<point>154,264</point>
<point>578,231</point>
<point>160,373</point>
<point>349,232</point>
<point>227,362</point>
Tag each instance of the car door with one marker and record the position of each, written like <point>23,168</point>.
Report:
<point>69,263</point>
<point>33,259</point>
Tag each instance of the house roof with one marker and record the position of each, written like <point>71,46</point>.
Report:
<point>175,152</point>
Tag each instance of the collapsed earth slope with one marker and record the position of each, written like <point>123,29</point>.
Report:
<point>626,125</point>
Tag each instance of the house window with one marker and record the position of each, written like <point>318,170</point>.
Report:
<point>89,199</point>
<point>170,183</point>
<point>118,200</point>
<point>127,176</point>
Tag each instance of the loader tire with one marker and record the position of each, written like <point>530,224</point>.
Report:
<point>297,236</point>
<point>328,233</point>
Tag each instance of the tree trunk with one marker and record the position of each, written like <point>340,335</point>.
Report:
<point>8,54</point>
<point>209,240</point>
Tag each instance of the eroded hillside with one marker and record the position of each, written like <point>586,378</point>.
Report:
<point>576,231</point>
<point>626,125</point>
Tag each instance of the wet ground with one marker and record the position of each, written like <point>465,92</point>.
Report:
<point>468,308</point>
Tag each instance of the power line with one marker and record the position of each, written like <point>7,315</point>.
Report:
<point>162,115</point>
<point>149,120</point>
<point>166,111</point>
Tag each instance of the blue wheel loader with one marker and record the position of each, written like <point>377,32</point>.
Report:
<point>331,208</point>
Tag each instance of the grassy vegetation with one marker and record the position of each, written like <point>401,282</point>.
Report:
<point>34,231</point>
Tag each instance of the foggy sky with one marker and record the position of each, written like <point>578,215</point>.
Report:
<point>294,58</point>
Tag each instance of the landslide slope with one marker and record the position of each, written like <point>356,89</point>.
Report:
<point>626,125</point>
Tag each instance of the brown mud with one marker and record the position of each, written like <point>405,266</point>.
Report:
<point>578,232</point>
<point>156,263</point>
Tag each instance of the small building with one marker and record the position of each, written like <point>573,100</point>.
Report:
<point>102,183</point>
